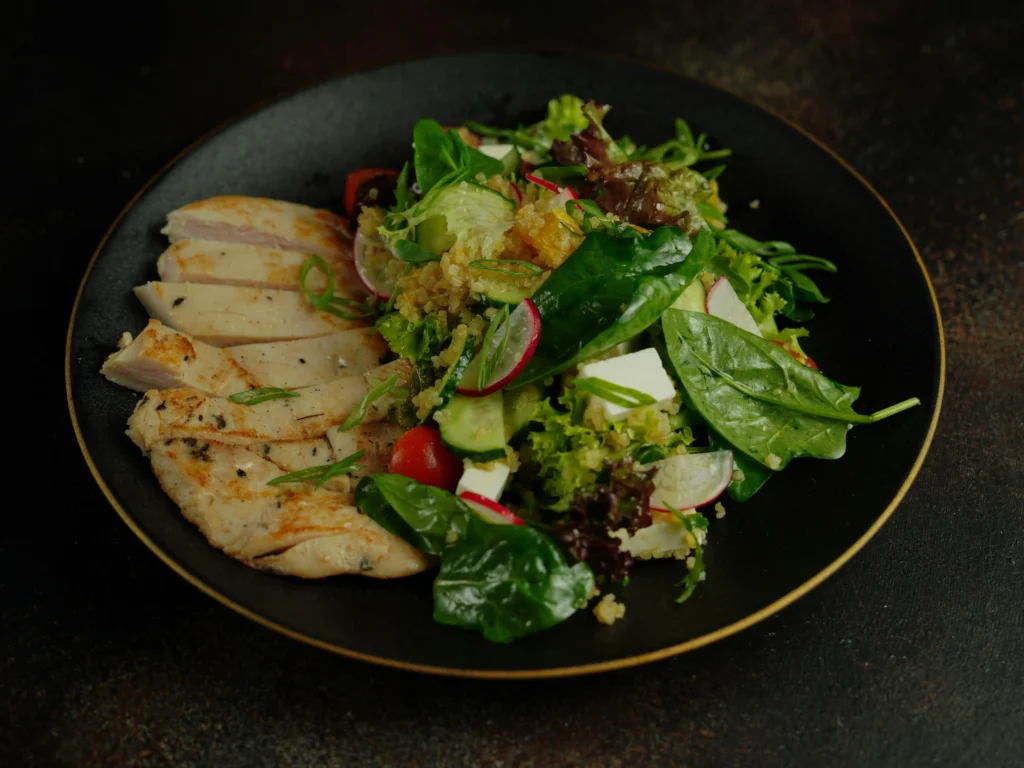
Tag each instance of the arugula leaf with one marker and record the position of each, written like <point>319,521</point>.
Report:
<point>756,396</point>
<point>609,290</point>
<point>508,581</point>
<point>433,518</point>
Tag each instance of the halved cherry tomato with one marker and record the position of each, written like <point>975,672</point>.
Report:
<point>421,455</point>
<point>358,177</point>
<point>796,355</point>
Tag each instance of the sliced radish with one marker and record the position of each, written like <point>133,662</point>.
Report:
<point>371,267</point>
<point>518,195</point>
<point>490,511</point>
<point>691,480</point>
<point>523,335</point>
<point>551,186</point>
<point>723,302</point>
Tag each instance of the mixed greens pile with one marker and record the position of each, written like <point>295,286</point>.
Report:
<point>573,248</point>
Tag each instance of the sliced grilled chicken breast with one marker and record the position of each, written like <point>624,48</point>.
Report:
<point>223,315</point>
<point>175,413</point>
<point>305,362</point>
<point>288,529</point>
<point>260,221</point>
<point>206,261</point>
<point>376,440</point>
<point>163,358</point>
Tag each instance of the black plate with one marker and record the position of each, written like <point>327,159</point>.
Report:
<point>881,331</point>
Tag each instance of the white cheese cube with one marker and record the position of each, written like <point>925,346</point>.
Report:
<point>488,480</point>
<point>641,371</point>
<point>497,151</point>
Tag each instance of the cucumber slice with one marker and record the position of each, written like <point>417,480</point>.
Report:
<point>474,427</point>
<point>511,161</point>
<point>450,381</point>
<point>433,235</point>
<point>519,407</point>
<point>495,294</point>
<point>692,298</point>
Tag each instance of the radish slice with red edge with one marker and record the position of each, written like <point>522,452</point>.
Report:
<point>691,480</point>
<point>372,269</point>
<point>551,186</point>
<point>490,511</point>
<point>523,335</point>
<point>518,195</point>
<point>723,302</point>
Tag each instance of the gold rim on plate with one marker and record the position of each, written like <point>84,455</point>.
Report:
<point>604,666</point>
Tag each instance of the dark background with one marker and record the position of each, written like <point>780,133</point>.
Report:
<point>913,654</point>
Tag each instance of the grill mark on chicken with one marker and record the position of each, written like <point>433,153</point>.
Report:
<point>301,531</point>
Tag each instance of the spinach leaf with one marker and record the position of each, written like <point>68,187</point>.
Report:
<point>609,290</point>
<point>432,519</point>
<point>438,153</point>
<point>413,253</point>
<point>756,396</point>
<point>508,581</point>
<point>755,474</point>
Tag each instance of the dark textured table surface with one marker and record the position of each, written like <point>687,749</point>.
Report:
<point>913,654</point>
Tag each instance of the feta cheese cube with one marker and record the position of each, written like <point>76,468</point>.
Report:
<point>641,371</point>
<point>487,480</point>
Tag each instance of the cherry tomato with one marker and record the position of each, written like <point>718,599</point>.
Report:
<point>358,177</point>
<point>421,455</point>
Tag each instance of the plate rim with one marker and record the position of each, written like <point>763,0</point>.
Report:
<point>518,674</point>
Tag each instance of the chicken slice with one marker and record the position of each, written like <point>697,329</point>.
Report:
<point>162,358</point>
<point>288,529</point>
<point>260,221</point>
<point>206,261</point>
<point>305,362</point>
<point>376,440</point>
<point>174,413</point>
<point>223,315</point>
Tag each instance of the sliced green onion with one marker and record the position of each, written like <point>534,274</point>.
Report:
<point>488,362</point>
<point>356,417</point>
<point>692,578</point>
<point>713,173</point>
<point>261,395</point>
<point>615,393</point>
<point>711,212</point>
<point>799,261</point>
<point>327,301</point>
<point>394,294</point>
<point>514,267</point>
<point>323,472</point>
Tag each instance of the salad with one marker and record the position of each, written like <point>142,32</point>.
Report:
<point>597,357</point>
